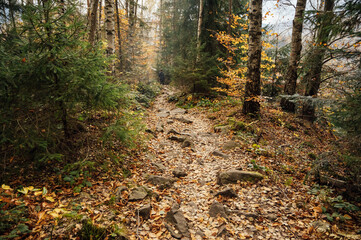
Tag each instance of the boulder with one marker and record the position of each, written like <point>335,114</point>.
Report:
<point>187,143</point>
<point>183,120</point>
<point>222,129</point>
<point>160,167</point>
<point>233,176</point>
<point>321,226</point>
<point>177,219</point>
<point>159,180</point>
<point>228,192</point>
<point>172,131</point>
<point>144,211</point>
<point>217,209</point>
<point>177,139</point>
<point>163,114</point>
<point>179,173</point>
<point>159,127</point>
<point>178,111</point>
<point>220,154</point>
<point>230,145</point>
<point>138,193</point>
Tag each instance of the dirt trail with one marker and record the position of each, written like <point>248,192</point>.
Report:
<point>246,211</point>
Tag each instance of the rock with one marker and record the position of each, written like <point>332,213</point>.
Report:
<point>220,154</point>
<point>228,192</point>
<point>321,226</point>
<point>179,173</point>
<point>172,131</point>
<point>187,143</point>
<point>159,166</point>
<point>163,114</point>
<point>200,233</point>
<point>159,127</point>
<point>144,211</point>
<point>272,216</point>
<point>170,121</point>
<point>178,111</point>
<point>232,176</point>
<point>222,231</point>
<point>138,193</point>
<point>118,193</point>
<point>177,139</point>
<point>217,209</point>
<point>159,180</point>
<point>230,145</point>
<point>176,218</point>
<point>183,120</point>
<point>222,129</point>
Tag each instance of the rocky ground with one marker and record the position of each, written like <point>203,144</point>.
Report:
<point>198,184</point>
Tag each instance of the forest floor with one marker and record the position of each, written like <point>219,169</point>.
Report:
<point>206,173</point>
<point>188,154</point>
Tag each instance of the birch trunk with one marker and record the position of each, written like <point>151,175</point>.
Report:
<point>295,56</point>
<point>119,36</point>
<point>199,29</point>
<point>109,24</point>
<point>251,103</point>
<point>93,21</point>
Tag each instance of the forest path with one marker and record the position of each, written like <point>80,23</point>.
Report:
<point>185,144</point>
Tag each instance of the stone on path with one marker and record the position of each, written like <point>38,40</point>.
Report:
<point>144,211</point>
<point>220,154</point>
<point>233,176</point>
<point>159,127</point>
<point>222,129</point>
<point>177,139</point>
<point>178,111</point>
<point>172,131</point>
<point>163,114</point>
<point>178,172</point>
<point>230,145</point>
<point>176,218</point>
<point>138,193</point>
<point>160,167</point>
<point>183,120</point>
<point>228,192</point>
<point>187,143</point>
<point>217,209</point>
<point>321,226</point>
<point>159,180</point>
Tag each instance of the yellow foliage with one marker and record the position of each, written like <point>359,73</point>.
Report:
<point>234,76</point>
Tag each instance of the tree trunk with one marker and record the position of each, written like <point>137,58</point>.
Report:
<point>251,103</point>
<point>315,60</point>
<point>119,37</point>
<point>99,36</point>
<point>199,28</point>
<point>296,47</point>
<point>93,21</point>
<point>109,22</point>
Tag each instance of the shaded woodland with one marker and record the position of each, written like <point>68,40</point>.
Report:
<point>254,134</point>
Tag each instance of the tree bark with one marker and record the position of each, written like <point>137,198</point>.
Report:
<point>199,29</point>
<point>295,56</point>
<point>99,34</point>
<point>315,60</point>
<point>93,21</point>
<point>109,21</point>
<point>119,37</point>
<point>251,103</point>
